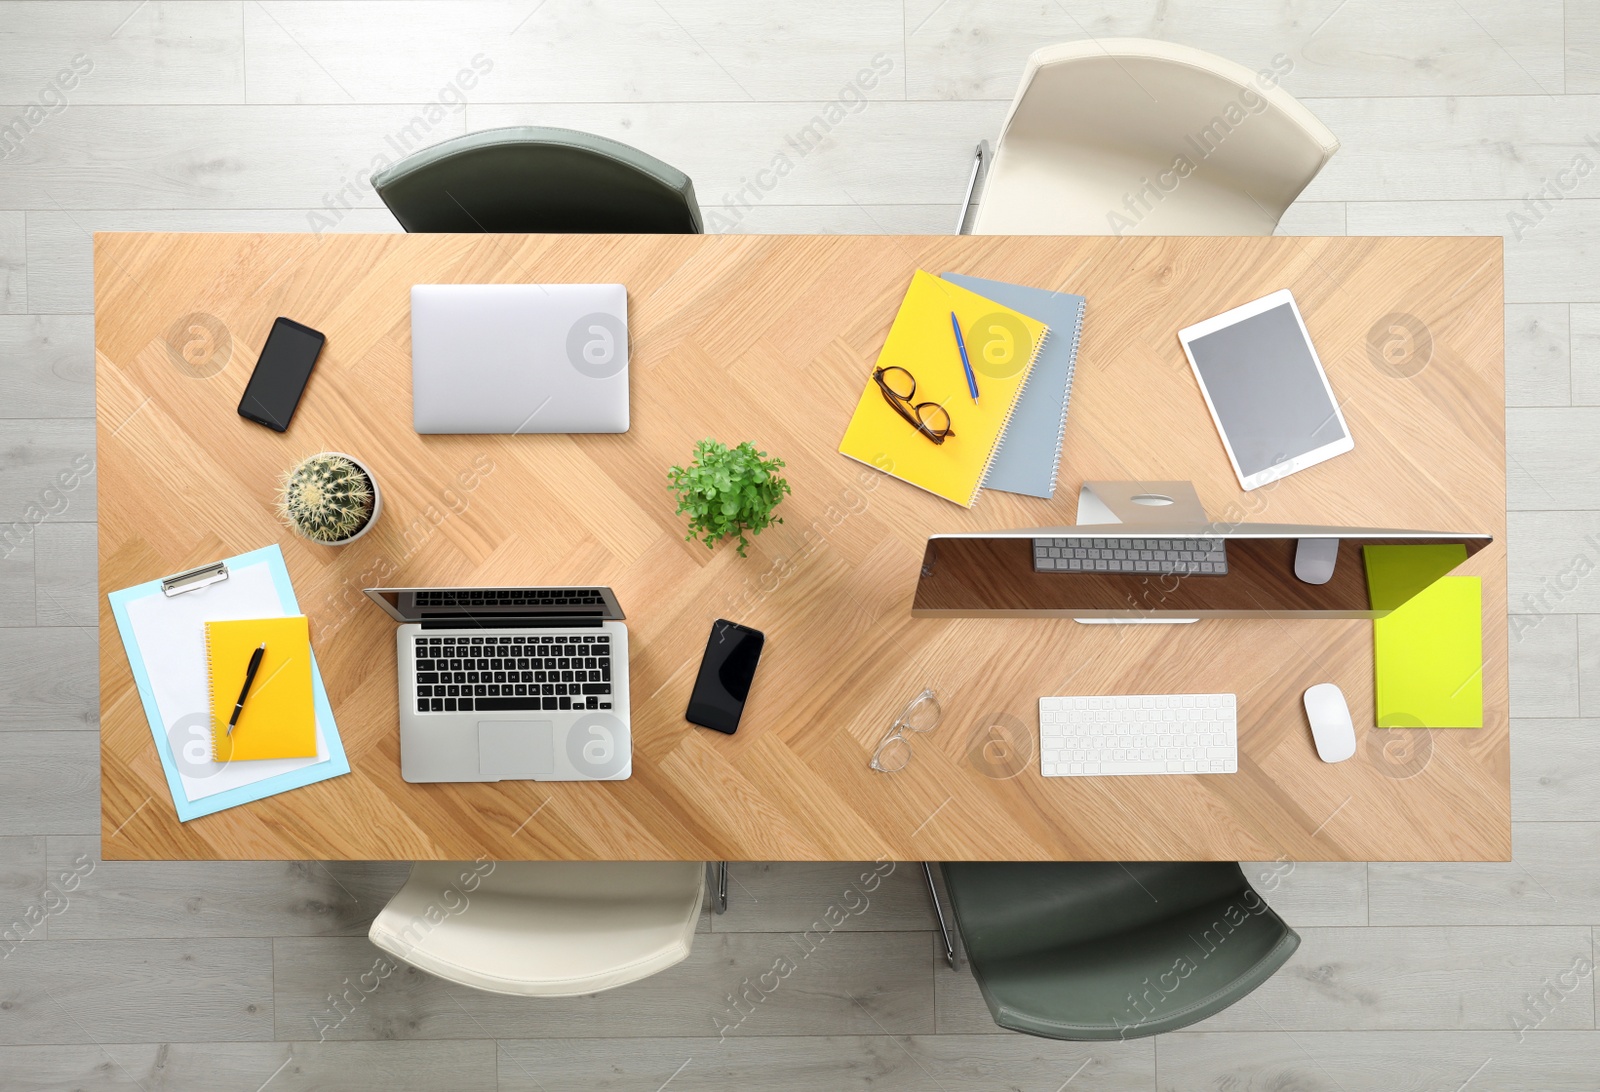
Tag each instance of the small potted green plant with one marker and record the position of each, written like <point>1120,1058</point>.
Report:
<point>330,498</point>
<point>727,491</point>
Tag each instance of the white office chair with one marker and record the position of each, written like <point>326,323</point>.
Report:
<point>1127,136</point>
<point>544,928</point>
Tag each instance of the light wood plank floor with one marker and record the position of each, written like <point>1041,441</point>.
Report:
<point>258,116</point>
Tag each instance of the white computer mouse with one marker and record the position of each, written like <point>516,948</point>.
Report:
<point>1315,558</point>
<point>1331,728</point>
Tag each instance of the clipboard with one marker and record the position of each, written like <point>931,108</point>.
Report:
<point>162,625</point>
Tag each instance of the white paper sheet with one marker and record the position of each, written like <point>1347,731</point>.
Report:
<point>172,637</point>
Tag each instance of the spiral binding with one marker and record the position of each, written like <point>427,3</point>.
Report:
<point>1072,370</point>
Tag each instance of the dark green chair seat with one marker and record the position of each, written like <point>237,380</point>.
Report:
<point>534,179</point>
<point>1094,950</point>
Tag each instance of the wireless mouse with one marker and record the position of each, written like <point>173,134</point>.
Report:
<point>1331,728</point>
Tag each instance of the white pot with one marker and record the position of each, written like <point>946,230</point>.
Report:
<point>377,501</point>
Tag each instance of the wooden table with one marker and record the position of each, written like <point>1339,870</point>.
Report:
<point>770,338</point>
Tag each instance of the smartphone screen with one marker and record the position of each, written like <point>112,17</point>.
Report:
<point>726,671</point>
<point>274,389</point>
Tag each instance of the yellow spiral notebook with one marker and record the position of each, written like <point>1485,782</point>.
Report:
<point>279,720</point>
<point>1002,345</point>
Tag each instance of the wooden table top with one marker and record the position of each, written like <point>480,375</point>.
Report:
<point>770,339</point>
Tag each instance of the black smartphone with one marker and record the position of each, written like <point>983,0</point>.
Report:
<point>726,671</point>
<point>275,386</point>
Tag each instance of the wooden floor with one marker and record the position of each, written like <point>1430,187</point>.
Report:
<point>264,116</point>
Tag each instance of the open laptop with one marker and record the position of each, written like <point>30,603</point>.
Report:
<point>509,684</point>
<point>519,358</point>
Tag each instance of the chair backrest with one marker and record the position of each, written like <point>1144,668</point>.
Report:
<point>1098,950</point>
<point>543,928</point>
<point>1048,905</point>
<point>1157,117</point>
<point>536,179</point>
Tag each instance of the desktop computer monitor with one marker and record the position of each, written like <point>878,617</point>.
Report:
<point>1157,568</point>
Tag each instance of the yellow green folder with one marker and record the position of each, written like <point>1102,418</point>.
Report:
<point>1002,345</point>
<point>1395,573</point>
<point>1429,657</point>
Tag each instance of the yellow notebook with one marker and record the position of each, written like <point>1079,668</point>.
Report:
<point>1002,345</point>
<point>1429,653</point>
<point>279,720</point>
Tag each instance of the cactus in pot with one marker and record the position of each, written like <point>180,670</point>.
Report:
<point>330,497</point>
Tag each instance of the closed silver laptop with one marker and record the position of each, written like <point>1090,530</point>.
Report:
<point>507,684</point>
<point>519,358</point>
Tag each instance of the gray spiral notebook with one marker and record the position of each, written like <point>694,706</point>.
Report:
<point>1028,455</point>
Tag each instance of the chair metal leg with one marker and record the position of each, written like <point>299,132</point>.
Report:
<point>720,902</point>
<point>938,912</point>
<point>979,153</point>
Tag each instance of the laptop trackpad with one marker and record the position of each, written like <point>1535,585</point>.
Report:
<point>513,750</point>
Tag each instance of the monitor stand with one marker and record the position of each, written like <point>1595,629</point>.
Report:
<point>1131,504</point>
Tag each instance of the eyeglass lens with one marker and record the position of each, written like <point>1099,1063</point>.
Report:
<point>933,417</point>
<point>894,754</point>
<point>899,382</point>
<point>923,714</point>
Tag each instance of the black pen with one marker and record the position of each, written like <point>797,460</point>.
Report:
<point>249,677</point>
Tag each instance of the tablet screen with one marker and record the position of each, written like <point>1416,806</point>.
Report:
<point>1267,389</point>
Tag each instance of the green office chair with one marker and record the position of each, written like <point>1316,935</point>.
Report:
<point>1092,950</point>
<point>533,179</point>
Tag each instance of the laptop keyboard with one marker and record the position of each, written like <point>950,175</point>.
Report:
<point>512,597</point>
<point>1167,556</point>
<point>498,674</point>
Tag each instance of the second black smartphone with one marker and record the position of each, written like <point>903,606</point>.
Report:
<point>275,386</point>
<point>726,672</point>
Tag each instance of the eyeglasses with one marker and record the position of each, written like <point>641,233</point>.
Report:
<point>920,715</point>
<point>899,387</point>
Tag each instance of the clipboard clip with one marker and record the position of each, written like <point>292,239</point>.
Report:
<point>202,577</point>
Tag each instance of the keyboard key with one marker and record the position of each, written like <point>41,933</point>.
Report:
<point>505,705</point>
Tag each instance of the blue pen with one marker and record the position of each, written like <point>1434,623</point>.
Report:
<point>972,380</point>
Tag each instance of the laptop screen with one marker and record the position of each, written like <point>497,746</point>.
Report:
<point>500,604</point>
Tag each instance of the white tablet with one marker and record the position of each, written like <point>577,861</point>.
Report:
<point>1266,389</point>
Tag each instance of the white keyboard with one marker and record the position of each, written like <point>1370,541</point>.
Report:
<point>1138,734</point>
<point>1167,556</point>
